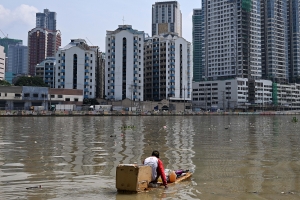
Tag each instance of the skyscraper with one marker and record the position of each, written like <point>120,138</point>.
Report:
<point>44,40</point>
<point>7,41</point>
<point>166,17</point>
<point>124,64</point>
<point>42,43</point>
<point>197,45</point>
<point>275,53</point>
<point>17,59</point>
<point>46,20</point>
<point>232,39</point>
<point>294,40</point>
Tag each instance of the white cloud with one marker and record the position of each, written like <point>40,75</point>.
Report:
<point>24,14</point>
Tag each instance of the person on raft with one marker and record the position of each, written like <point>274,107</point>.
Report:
<point>157,168</point>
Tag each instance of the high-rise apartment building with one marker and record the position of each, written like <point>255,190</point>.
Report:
<point>294,40</point>
<point>76,67</point>
<point>46,20</point>
<point>46,71</point>
<point>124,64</point>
<point>7,41</point>
<point>275,52</point>
<point>197,45</point>
<point>17,59</point>
<point>101,76</point>
<point>232,39</point>
<point>42,43</point>
<point>167,68</point>
<point>166,17</point>
<point>2,63</point>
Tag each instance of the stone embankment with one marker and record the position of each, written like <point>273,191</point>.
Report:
<point>4,113</point>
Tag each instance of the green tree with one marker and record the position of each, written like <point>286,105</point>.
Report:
<point>4,83</point>
<point>30,81</point>
<point>90,102</point>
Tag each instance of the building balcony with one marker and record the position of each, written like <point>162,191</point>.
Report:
<point>87,71</point>
<point>63,57</point>
<point>112,72</point>
<point>172,69</point>
<point>62,83</point>
<point>63,71</point>
<point>86,64</point>
<point>112,84</point>
<point>62,77</point>
<point>172,86</point>
<point>86,83</point>
<point>172,75</point>
<point>135,78</point>
<point>136,72</point>
<point>156,64</point>
<point>86,89</point>
<point>86,77</point>
<point>112,90</point>
<point>112,78</point>
<point>172,81</point>
<point>87,58</point>
<point>63,64</point>
<point>86,96</point>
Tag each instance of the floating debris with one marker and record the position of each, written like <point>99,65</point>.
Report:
<point>36,187</point>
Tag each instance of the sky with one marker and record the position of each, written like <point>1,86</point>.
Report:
<point>89,19</point>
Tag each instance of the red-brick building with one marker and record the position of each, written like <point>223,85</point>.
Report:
<point>42,43</point>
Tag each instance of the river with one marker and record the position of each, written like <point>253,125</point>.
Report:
<point>232,157</point>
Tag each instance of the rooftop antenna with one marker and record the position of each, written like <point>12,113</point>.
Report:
<point>123,20</point>
<point>89,41</point>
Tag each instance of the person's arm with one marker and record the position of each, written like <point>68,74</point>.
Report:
<point>161,171</point>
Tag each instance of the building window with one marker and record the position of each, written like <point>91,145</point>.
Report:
<point>26,95</point>
<point>35,95</point>
<point>76,99</point>
<point>52,96</point>
<point>59,96</point>
<point>67,99</point>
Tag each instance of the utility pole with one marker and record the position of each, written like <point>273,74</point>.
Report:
<point>205,98</point>
<point>184,99</point>
<point>223,96</point>
<point>228,97</point>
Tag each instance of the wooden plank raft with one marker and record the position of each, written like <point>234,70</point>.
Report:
<point>178,180</point>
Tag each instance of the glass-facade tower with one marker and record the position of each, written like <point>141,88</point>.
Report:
<point>197,45</point>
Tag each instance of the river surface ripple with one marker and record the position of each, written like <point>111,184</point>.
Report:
<point>233,157</point>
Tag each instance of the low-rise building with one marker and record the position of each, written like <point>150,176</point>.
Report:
<point>231,94</point>
<point>24,97</point>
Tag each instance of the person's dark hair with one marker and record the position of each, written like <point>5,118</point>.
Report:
<point>155,153</point>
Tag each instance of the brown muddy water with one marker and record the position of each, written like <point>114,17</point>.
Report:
<point>233,157</point>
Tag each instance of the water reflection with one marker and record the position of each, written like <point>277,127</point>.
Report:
<point>234,157</point>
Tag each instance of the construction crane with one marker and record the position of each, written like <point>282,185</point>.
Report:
<point>4,34</point>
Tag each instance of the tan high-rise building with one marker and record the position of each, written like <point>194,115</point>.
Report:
<point>166,17</point>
